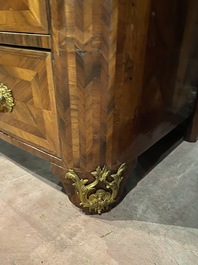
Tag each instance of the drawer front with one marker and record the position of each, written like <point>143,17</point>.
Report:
<point>23,16</point>
<point>28,74</point>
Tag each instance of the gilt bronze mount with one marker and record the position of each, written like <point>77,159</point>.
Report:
<point>91,196</point>
<point>6,99</point>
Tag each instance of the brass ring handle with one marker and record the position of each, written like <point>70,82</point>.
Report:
<point>6,99</point>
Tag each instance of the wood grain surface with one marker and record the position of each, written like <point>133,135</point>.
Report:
<point>117,77</point>
<point>29,76</point>
<point>23,16</point>
<point>84,47</point>
<point>27,40</point>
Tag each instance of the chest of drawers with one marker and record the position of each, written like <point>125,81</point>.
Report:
<point>90,85</point>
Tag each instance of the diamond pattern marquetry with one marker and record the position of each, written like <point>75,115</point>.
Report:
<point>33,119</point>
<point>23,16</point>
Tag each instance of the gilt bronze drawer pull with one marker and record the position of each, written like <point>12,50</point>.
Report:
<point>6,99</point>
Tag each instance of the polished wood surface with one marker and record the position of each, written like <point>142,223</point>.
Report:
<point>120,78</point>
<point>31,149</point>
<point>33,119</point>
<point>26,40</point>
<point>152,86</point>
<point>116,77</point>
<point>84,51</point>
<point>23,16</point>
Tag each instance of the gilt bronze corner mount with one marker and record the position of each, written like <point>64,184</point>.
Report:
<point>93,197</point>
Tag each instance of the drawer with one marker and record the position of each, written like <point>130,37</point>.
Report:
<point>23,16</point>
<point>28,74</point>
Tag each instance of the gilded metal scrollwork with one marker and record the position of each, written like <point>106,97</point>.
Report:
<point>6,99</point>
<point>96,199</point>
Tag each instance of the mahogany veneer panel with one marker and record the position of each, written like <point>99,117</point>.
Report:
<point>23,16</point>
<point>33,119</point>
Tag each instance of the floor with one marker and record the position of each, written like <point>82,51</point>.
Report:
<point>156,222</point>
